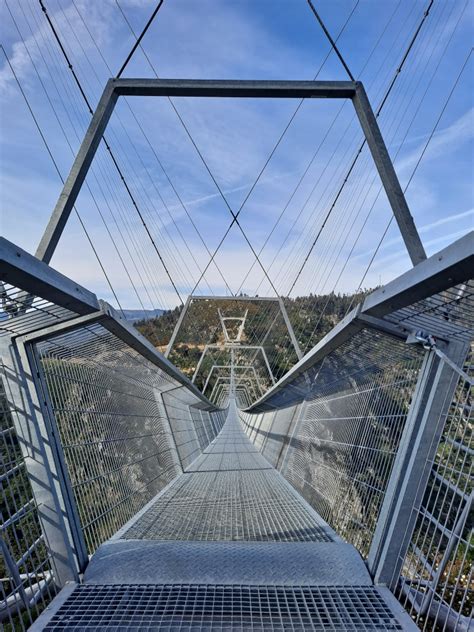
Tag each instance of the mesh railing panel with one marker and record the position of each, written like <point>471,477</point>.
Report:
<point>185,433</point>
<point>26,575</point>
<point>437,574</point>
<point>341,451</point>
<point>113,428</point>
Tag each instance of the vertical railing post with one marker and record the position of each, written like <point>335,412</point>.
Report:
<point>39,450</point>
<point>423,428</point>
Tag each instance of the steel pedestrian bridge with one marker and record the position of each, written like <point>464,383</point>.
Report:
<point>316,507</point>
<point>335,497</point>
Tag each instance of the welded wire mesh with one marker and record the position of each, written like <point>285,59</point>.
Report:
<point>114,434</point>
<point>437,583</point>
<point>341,445</point>
<point>26,573</point>
<point>21,312</point>
<point>186,435</point>
<point>126,427</point>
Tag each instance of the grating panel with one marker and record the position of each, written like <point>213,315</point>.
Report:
<point>231,493</point>
<point>237,505</point>
<point>449,314</point>
<point>21,312</point>
<point>217,608</point>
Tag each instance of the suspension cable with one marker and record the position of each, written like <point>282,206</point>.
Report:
<point>221,193</point>
<point>160,164</point>
<point>109,149</point>
<point>48,149</point>
<point>331,41</point>
<point>354,162</point>
<point>139,39</point>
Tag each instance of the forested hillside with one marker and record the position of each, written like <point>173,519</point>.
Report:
<point>312,318</point>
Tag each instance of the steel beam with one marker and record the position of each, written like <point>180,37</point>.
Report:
<point>77,175</point>
<point>224,88</point>
<point>447,268</point>
<point>22,270</point>
<point>388,175</point>
<point>289,326</point>
<point>178,325</point>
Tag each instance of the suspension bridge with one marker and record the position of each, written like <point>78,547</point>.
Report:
<point>250,463</point>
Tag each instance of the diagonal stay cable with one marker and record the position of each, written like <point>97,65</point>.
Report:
<point>331,41</point>
<point>139,39</point>
<point>257,257</point>
<point>160,164</point>
<point>58,171</point>
<point>221,193</point>
<point>109,149</point>
<point>275,225</point>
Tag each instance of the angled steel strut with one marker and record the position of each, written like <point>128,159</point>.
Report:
<point>353,90</point>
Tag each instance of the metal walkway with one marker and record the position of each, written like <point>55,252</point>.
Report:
<point>228,545</point>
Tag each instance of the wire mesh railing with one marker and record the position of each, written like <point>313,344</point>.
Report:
<point>114,434</point>
<point>342,447</point>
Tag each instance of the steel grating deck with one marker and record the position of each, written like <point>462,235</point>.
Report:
<point>228,546</point>
<point>231,492</point>
<point>202,608</point>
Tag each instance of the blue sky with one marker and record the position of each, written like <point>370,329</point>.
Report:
<point>246,40</point>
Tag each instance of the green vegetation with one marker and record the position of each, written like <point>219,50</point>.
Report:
<point>312,317</point>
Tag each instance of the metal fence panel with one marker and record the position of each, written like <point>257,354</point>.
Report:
<point>115,440</point>
<point>342,449</point>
